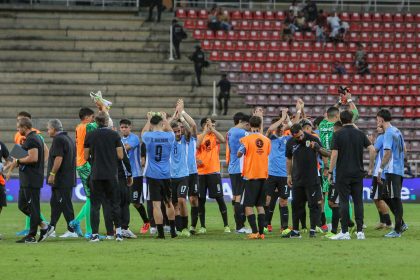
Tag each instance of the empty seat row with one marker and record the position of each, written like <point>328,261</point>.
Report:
<point>389,101</point>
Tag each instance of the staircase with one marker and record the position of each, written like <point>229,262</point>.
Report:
<point>50,61</point>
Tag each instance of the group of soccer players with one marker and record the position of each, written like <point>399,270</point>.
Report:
<point>179,164</point>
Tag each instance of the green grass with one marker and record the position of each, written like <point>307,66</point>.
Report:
<point>212,256</point>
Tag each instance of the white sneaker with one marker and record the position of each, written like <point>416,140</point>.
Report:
<point>153,230</point>
<point>127,233</point>
<point>109,237</point>
<point>167,229</point>
<point>69,234</point>
<point>360,235</point>
<point>53,234</point>
<point>341,236</point>
<point>244,230</point>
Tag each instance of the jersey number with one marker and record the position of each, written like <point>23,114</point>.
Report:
<point>158,153</point>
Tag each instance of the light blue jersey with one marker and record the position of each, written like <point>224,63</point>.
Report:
<point>393,140</point>
<point>179,159</point>
<point>233,136</point>
<point>158,151</point>
<point>277,157</point>
<point>192,161</point>
<point>379,147</point>
<point>134,154</point>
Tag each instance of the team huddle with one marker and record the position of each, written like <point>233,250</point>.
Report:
<point>319,164</point>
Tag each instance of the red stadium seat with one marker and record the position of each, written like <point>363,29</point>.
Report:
<point>270,67</point>
<point>398,48</point>
<point>364,37</point>
<point>392,69</point>
<point>381,68</point>
<point>309,36</point>
<point>258,15</point>
<point>294,56</point>
<point>409,17</point>
<point>403,79</point>
<point>221,35</point>
<point>245,25</point>
<point>410,48</point>
<point>274,46</point>
<point>192,14</point>
<point>316,57</point>
<point>410,38</point>
<point>303,68</point>
<point>313,68</point>
<point>323,79</point>
<point>272,56</point>
<point>284,46</point>
<point>390,90</point>
<point>218,45</point>
<point>269,15</point>
<point>366,17</point>
<point>181,13</point>
<point>300,78</point>
<point>249,56</point>
<point>289,78</point>
<point>236,15</point>
<point>327,57</point>
<point>263,46</point>
<point>402,90</point>
<point>203,14</point>
<point>267,25</point>
<point>189,24</point>
<point>291,67</point>
<point>404,69</point>
<point>354,37</point>
<point>280,67</point>
<point>335,79</point>
<point>275,35</point>
<point>261,57</point>
<point>241,46</point>
<point>232,35</point>
<point>329,47</point>
<point>201,24</point>
<point>230,46</point>
<point>366,90</point>
<point>265,35</point>
<point>198,34</point>
<point>280,15</point>
<point>414,69</point>
<point>414,90</point>
<point>376,101</point>
<point>357,79</point>
<point>414,79</point>
<point>256,25</point>
<point>243,35</point>
<point>355,17</point>
<point>325,68</point>
<point>209,35</point>
<point>206,45</point>
<point>227,56</point>
<point>215,56</point>
<point>247,14</point>
<point>387,101</point>
<point>305,57</point>
<point>409,113</point>
<point>367,27</point>
<point>409,101</point>
<point>376,37</point>
<point>387,17</point>
<point>251,46</point>
<point>238,56</point>
<point>246,67</point>
<point>283,57</point>
<point>364,100</point>
<point>318,47</point>
<point>387,37</point>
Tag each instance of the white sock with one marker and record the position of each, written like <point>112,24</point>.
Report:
<point>44,225</point>
<point>118,230</point>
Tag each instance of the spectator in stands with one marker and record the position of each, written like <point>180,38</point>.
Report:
<point>214,23</point>
<point>321,20</point>
<point>360,55</point>
<point>300,23</point>
<point>320,33</point>
<point>338,68</point>
<point>287,34</point>
<point>334,25</point>
<point>363,68</point>
<point>178,34</point>
<point>310,11</point>
<point>224,93</point>
<point>158,4</point>
<point>407,169</point>
<point>224,21</point>
<point>294,8</point>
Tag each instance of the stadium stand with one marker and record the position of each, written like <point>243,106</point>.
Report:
<point>270,72</point>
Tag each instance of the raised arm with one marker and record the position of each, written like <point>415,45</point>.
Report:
<point>275,125</point>
<point>146,127</point>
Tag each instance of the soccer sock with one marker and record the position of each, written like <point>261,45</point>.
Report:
<point>143,214</point>
<point>381,217</point>
<point>261,223</point>
<point>194,216</point>
<point>238,216</point>
<point>202,211</point>
<point>27,223</point>
<point>398,213</point>
<point>223,210</point>
<point>335,219</point>
<point>242,217</point>
<point>82,212</point>
<point>386,219</point>
<point>118,230</point>
<point>252,223</point>
<point>284,217</point>
<point>178,222</point>
<point>43,218</point>
<point>165,217</point>
<point>150,212</point>
<point>87,209</point>
<point>161,234</point>
<point>323,219</point>
<point>184,221</point>
<point>173,230</point>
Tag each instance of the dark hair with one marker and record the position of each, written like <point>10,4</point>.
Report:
<point>174,124</point>
<point>102,119</point>
<point>246,118</point>
<point>125,121</point>
<point>338,124</point>
<point>274,120</point>
<point>85,112</point>
<point>385,114</point>
<point>237,117</point>
<point>346,117</point>
<point>255,121</point>
<point>25,122</point>
<point>155,120</point>
<point>204,120</point>
<point>24,114</point>
<point>318,120</point>
<point>295,128</point>
<point>332,112</point>
<point>224,75</point>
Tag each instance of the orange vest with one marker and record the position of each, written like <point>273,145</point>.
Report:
<point>257,149</point>
<point>20,139</point>
<point>208,154</point>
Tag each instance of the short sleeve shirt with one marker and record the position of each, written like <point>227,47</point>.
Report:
<point>32,175</point>
<point>63,146</point>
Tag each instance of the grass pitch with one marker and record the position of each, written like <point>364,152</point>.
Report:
<point>212,256</point>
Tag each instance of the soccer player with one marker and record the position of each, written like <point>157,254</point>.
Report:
<point>233,136</point>
<point>4,154</point>
<point>61,176</point>
<point>158,137</point>
<point>20,139</point>
<point>133,147</point>
<point>347,155</point>
<point>276,184</point>
<point>83,168</point>
<point>208,163</point>
<point>255,148</point>
<point>392,166</point>
<point>302,173</point>
<point>378,191</point>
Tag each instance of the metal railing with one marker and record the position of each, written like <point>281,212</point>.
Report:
<point>74,3</point>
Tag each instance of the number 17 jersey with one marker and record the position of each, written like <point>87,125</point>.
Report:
<point>158,154</point>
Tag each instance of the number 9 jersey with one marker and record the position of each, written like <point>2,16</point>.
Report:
<point>158,153</point>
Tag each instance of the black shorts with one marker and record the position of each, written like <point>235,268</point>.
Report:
<point>254,194</point>
<point>393,184</point>
<point>333,194</point>
<point>193,185</point>
<point>137,191</point>
<point>179,188</point>
<point>378,191</point>
<point>212,183</point>
<point>159,190</point>
<point>313,193</point>
<point>3,200</point>
<point>237,183</point>
<point>276,186</point>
